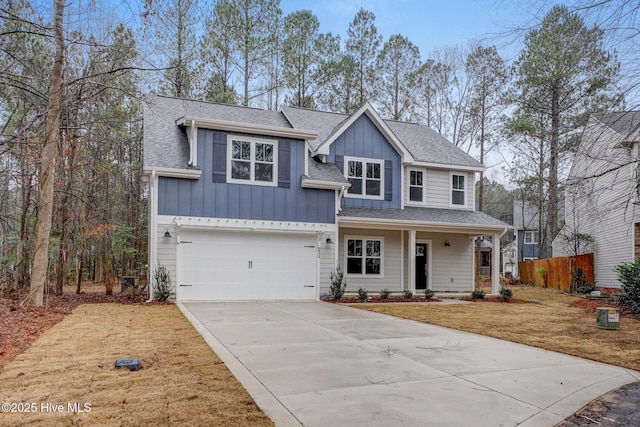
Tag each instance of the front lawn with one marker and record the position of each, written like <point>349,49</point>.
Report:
<point>548,320</point>
<point>182,381</point>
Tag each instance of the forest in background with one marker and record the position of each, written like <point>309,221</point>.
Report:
<point>72,77</point>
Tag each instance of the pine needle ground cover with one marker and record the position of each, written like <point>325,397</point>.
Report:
<point>182,381</point>
<point>548,319</point>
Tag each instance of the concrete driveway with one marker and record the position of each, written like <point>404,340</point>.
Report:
<point>322,364</point>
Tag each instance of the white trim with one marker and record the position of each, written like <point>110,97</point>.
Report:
<point>322,185</point>
<point>412,261</point>
<point>173,172</point>
<point>243,127</point>
<point>475,229</point>
<point>402,261</point>
<point>465,195</point>
<point>424,187</point>
<point>192,135</point>
<point>245,224</point>
<point>324,147</point>
<point>153,229</point>
<point>252,161</point>
<point>365,161</point>
<point>364,239</point>
<point>451,167</point>
<point>533,234</point>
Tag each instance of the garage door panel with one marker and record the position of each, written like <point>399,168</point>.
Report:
<point>232,265</point>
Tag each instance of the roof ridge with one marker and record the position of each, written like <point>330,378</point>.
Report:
<point>215,103</point>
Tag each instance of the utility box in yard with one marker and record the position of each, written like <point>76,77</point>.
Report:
<point>607,318</point>
<point>128,282</point>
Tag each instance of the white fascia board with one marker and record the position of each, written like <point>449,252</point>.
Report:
<point>323,185</point>
<point>209,223</point>
<point>447,166</point>
<point>471,229</point>
<point>232,126</point>
<point>367,109</point>
<point>174,173</point>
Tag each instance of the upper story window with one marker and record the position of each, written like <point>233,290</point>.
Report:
<point>531,237</point>
<point>458,195</point>
<point>416,186</point>
<point>252,161</point>
<point>366,177</point>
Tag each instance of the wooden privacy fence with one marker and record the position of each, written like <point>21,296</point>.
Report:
<point>560,271</point>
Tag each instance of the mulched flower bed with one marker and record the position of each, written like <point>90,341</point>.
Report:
<point>496,299</point>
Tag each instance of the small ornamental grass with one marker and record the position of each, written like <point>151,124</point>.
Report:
<point>385,293</point>
<point>338,284</point>
<point>362,294</point>
<point>407,293</point>
<point>429,293</point>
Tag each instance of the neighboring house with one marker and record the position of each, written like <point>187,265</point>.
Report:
<point>254,204</point>
<point>484,248</point>
<point>602,213</point>
<point>510,259</point>
<point>527,235</point>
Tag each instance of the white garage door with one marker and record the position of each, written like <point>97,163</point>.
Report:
<point>232,265</point>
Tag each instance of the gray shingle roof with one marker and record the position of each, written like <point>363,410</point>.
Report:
<point>429,215</point>
<point>423,143</point>
<point>624,122</point>
<point>325,172</point>
<point>166,144</point>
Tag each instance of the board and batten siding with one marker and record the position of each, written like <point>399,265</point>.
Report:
<point>392,266</point>
<point>447,263</point>
<point>363,139</point>
<point>206,198</point>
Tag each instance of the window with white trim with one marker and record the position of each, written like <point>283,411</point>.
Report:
<point>458,196</point>
<point>364,255</point>
<point>531,237</point>
<point>366,177</point>
<point>416,186</point>
<point>252,161</point>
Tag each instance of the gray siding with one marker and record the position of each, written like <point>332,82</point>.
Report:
<point>602,206</point>
<point>205,198</point>
<point>451,266</point>
<point>391,262</point>
<point>166,251</point>
<point>327,260</point>
<point>438,191</point>
<point>363,139</point>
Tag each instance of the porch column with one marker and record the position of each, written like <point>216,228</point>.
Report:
<point>412,259</point>
<point>495,265</point>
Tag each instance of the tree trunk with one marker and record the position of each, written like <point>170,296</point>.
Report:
<point>552,224</point>
<point>48,161</point>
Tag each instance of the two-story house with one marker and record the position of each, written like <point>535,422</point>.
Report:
<point>254,204</point>
<point>602,195</point>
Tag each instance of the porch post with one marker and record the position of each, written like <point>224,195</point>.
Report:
<point>412,260</point>
<point>495,265</point>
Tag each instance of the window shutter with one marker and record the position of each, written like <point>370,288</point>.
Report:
<point>219,157</point>
<point>340,163</point>
<point>388,180</point>
<point>284,164</point>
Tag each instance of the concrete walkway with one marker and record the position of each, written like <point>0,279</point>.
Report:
<point>322,364</point>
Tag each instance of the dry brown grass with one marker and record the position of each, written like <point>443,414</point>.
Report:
<point>182,382</point>
<point>548,322</point>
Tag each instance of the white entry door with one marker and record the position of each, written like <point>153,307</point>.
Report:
<point>233,265</point>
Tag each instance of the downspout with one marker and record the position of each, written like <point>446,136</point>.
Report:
<point>153,235</point>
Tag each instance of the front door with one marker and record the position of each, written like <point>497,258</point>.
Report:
<point>422,266</point>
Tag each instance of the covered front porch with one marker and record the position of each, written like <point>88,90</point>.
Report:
<point>397,253</point>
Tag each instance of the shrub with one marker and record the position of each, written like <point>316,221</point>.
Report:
<point>362,294</point>
<point>629,276</point>
<point>505,294</point>
<point>385,293</point>
<point>407,293</point>
<point>338,284</point>
<point>162,286</point>
<point>543,274</point>
<point>428,293</point>
<point>478,294</point>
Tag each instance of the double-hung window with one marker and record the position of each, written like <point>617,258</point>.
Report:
<point>366,177</point>
<point>252,160</point>
<point>416,186</point>
<point>458,195</point>
<point>364,255</point>
<point>531,237</point>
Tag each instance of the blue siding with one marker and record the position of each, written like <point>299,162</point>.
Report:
<point>526,250</point>
<point>205,198</point>
<point>363,139</point>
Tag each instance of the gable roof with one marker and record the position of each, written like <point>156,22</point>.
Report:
<point>623,122</point>
<point>425,145</point>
